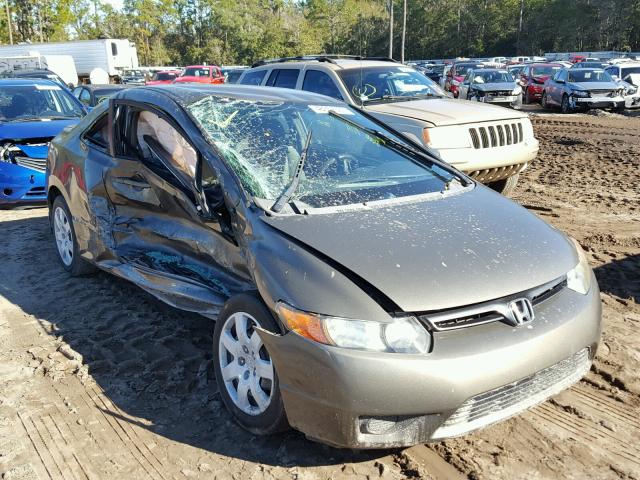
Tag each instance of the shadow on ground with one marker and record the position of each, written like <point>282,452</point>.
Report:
<point>152,361</point>
<point>621,277</point>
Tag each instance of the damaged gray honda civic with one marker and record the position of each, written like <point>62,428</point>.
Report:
<point>365,293</point>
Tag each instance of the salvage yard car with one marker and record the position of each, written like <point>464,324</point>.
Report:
<point>365,293</point>
<point>32,112</point>
<point>582,89</point>
<point>533,77</point>
<point>491,144</point>
<point>490,85</point>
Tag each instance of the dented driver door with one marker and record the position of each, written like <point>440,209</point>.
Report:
<point>163,242</point>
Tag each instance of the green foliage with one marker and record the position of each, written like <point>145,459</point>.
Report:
<point>184,32</point>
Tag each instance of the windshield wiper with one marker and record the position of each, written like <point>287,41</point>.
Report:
<point>400,98</point>
<point>286,196</point>
<point>401,147</point>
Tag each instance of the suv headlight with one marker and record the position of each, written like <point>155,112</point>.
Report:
<point>579,277</point>
<point>580,93</point>
<point>402,335</point>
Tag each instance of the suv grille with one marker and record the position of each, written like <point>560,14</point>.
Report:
<point>497,135</point>
<point>504,402</point>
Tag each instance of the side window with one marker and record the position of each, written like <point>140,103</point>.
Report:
<point>85,96</point>
<point>319,82</point>
<point>114,49</point>
<point>253,78</point>
<point>283,78</point>
<point>158,141</point>
<point>98,133</point>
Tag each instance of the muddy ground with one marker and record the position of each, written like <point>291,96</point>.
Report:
<point>99,380</point>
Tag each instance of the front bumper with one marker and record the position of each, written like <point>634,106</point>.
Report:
<point>535,91</point>
<point>21,185</point>
<point>598,102</point>
<point>356,399</point>
<point>475,159</point>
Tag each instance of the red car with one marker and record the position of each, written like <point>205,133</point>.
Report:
<point>456,75</point>
<point>201,74</point>
<point>532,78</point>
<point>163,78</point>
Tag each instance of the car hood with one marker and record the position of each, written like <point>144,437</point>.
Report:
<point>491,87</point>
<point>445,111</point>
<point>20,131</point>
<point>188,78</point>
<point>592,86</point>
<point>450,252</point>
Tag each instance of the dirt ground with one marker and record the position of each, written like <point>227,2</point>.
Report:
<point>99,380</point>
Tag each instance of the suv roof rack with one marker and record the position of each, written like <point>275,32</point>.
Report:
<point>330,58</point>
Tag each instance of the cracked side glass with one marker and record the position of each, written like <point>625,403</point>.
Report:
<point>262,141</point>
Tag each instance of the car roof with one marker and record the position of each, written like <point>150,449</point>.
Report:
<point>106,86</point>
<point>26,81</point>
<point>487,70</point>
<point>190,93</point>
<point>334,64</point>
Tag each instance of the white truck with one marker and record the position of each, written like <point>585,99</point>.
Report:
<point>61,65</point>
<point>110,54</point>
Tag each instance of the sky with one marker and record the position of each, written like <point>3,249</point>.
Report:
<point>115,3</point>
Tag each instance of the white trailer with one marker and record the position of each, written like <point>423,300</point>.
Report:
<point>110,54</point>
<point>61,65</point>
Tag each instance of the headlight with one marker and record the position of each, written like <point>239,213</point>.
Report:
<point>402,335</point>
<point>580,93</point>
<point>632,90</point>
<point>517,90</point>
<point>579,277</point>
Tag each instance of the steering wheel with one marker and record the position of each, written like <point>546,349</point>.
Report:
<point>343,164</point>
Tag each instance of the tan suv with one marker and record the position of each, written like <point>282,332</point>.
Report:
<point>492,144</point>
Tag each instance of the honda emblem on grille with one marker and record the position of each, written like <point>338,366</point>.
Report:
<point>520,311</point>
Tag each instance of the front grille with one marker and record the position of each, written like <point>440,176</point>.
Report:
<point>490,311</point>
<point>39,164</point>
<point>498,173</point>
<point>504,402</point>
<point>601,93</point>
<point>500,93</point>
<point>498,135</point>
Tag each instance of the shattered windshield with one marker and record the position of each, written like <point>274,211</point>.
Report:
<point>369,84</point>
<point>347,160</point>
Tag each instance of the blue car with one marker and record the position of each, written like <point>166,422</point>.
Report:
<point>32,112</point>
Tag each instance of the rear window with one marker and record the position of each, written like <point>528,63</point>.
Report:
<point>283,78</point>
<point>196,72</point>
<point>253,78</point>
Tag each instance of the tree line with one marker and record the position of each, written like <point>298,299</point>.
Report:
<point>182,32</point>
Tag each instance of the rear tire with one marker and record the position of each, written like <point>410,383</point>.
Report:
<point>246,378</point>
<point>66,243</point>
<point>527,99</point>
<point>505,186</point>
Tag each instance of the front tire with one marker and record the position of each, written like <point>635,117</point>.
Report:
<point>564,105</point>
<point>505,186</point>
<point>527,98</point>
<point>544,102</point>
<point>65,237</point>
<point>246,378</point>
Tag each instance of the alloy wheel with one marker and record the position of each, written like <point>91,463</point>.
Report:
<point>247,369</point>
<point>64,237</point>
